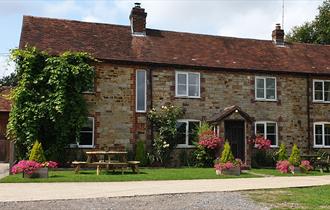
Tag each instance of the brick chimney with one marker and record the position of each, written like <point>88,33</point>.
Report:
<point>138,20</point>
<point>278,35</point>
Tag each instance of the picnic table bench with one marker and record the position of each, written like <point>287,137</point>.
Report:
<point>122,163</point>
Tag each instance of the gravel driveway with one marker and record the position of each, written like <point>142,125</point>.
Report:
<point>216,200</point>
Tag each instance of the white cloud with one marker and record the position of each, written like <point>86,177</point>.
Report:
<point>6,65</point>
<point>91,18</point>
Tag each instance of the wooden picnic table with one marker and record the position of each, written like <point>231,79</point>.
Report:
<point>105,158</point>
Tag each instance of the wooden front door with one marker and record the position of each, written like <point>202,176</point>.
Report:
<point>4,144</point>
<point>235,134</point>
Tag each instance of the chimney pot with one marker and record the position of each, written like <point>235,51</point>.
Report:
<point>278,35</point>
<point>138,20</point>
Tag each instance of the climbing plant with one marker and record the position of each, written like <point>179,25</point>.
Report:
<point>47,102</point>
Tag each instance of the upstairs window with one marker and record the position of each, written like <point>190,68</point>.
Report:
<point>265,88</point>
<point>268,130</point>
<point>321,90</point>
<point>141,91</point>
<point>187,84</point>
<point>322,134</point>
<point>87,134</point>
<point>186,133</point>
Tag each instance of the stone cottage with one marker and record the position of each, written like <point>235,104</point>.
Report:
<point>242,86</point>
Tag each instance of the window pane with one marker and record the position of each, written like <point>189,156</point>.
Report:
<point>182,90</point>
<point>193,91</point>
<point>318,90</point>
<point>327,91</point>
<point>86,138</point>
<point>270,93</point>
<point>261,83</point>
<point>141,90</point>
<point>318,129</point>
<point>318,139</point>
<point>326,129</point>
<point>181,132</point>
<point>192,132</point>
<point>327,140</point>
<point>182,79</point>
<point>271,128</point>
<point>260,93</point>
<point>88,126</point>
<point>260,130</point>
<point>270,83</point>
<point>193,79</point>
<point>272,138</point>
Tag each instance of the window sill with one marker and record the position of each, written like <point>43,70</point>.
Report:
<point>185,146</point>
<point>321,147</point>
<point>321,102</point>
<point>265,100</point>
<point>75,146</point>
<point>188,97</point>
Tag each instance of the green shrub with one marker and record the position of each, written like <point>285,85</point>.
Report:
<point>227,154</point>
<point>201,157</point>
<point>37,153</point>
<point>140,153</point>
<point>295,156</point>
<point>261,159</point>
<point>281,153</point>
<point>204,126</point>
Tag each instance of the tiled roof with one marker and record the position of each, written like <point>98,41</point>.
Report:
<point>115,42</point>
<point>5,103</point>
<point>227,112</point>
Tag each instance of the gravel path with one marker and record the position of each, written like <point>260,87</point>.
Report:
<point>217,200</point>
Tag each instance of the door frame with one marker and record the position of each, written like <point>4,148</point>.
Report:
<point>244,135</point>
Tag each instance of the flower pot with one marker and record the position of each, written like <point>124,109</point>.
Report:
<point>235,171</point>
<point>38,173</point>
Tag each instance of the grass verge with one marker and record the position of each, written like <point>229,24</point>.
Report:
<point>294,198</point>
<point>145,174</point>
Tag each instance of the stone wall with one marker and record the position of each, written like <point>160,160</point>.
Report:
<point>113,103</point>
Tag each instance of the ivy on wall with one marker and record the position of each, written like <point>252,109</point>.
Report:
<point>47,102</point>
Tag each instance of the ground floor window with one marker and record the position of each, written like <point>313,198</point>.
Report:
<point>322,134</point>
<point>186,132</point>
<point>268,130</point>
<point>86,139</point>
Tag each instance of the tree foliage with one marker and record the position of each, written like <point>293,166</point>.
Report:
<point>282,154</point>
<point>9,80</point>
<point>47,102</point>
<point>316,31</point>
<point>295,156</point>
<point>37,153</point>
<point>227,154</point>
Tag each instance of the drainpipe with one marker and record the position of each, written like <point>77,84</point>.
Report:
<point>308,114</point>
<point>151,104</point>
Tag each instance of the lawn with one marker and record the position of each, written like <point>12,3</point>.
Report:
<point>145,174</point>
<point>273,172</point>
<point>297,198</point>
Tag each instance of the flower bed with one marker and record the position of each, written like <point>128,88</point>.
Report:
<point>33,169</point>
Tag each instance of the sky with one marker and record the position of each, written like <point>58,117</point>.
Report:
<point>236,18</point>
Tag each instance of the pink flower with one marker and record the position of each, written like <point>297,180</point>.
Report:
<point>26,166</point>
<point>262,143</point>
<point>284,166</point>
<point>306,165</point>
<point>209,140</point>
<point>50,164</point>
<point>223,166</point>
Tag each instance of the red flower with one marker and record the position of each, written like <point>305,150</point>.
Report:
<point>262,143</point>
<point>209,140</point>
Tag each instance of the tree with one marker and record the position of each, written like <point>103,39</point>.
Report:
<point>316,31</point>
<point>37,153</point>
<point>9,80</point>
<point>295,156</point>
<point>227,155</point>
<point>47,102</point>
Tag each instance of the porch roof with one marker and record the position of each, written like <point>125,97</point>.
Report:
<point>228,111</point>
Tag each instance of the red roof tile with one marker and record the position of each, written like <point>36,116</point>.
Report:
<point>115,42</point>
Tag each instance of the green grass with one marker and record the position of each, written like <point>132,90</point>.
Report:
<point>298,198</point>
<point>274,172</point>
<point>145,174</point>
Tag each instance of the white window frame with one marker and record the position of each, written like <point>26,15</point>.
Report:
<point>145,91</point>
<point>186,145</point>
<point>323,135</point>
<point>187,84</point>
<point>265,97</point>
<point>265,130</point>
<point>93,144</point>
<point>320,101</point>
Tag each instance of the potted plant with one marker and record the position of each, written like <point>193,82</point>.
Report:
<point>295,158</point>
<point>228,165</point>
<point>36,166</point>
